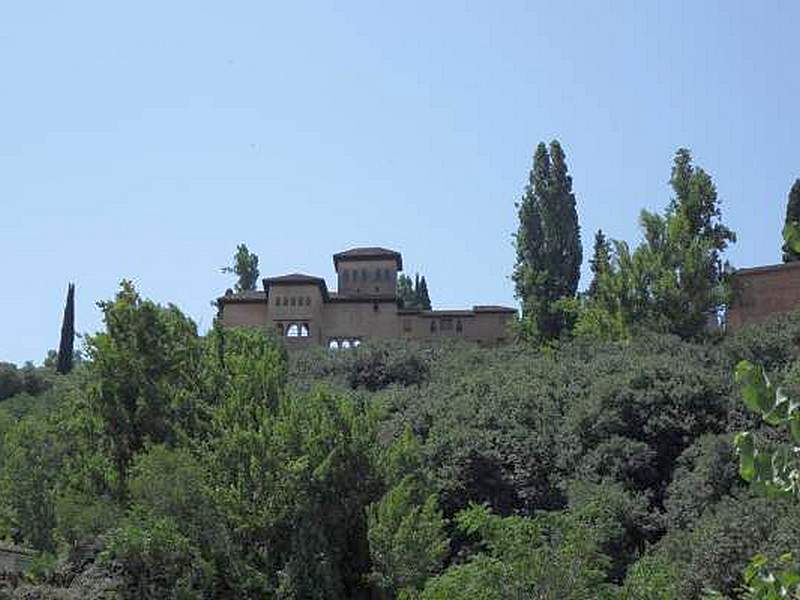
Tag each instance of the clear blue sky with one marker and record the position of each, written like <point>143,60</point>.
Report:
<point>144,140</point>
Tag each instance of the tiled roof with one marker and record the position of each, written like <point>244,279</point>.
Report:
<point>768,268</point>
<point>369,253</point>
<point>297,279</point>
<point>491,308</point>
<point>247,296</point>
<point>339,297</point>
<point>293,278</point>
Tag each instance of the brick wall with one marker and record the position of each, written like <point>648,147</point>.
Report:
<point>761,292</point>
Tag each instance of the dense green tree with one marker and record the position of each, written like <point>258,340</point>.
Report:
<point>11,382</point>
<point>601,260</point>
<point>142,372</point>
<point>66,345</point>
<point>548,243</point>
<point>30,466</point>
<point>245,267</point>
<point>553,556</point>
<point>675,281</point>
<point>413,294</point>
<point>406,537</point>
<point>790,254</point>
<point>424,297</point>
<point>405,292</point>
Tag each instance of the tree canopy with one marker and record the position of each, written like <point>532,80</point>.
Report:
<point>245,267</point>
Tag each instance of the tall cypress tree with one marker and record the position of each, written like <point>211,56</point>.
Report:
<point>548,243</point>
<point>424,297</point>
<point>66,345</point>
<point>792,216</point>
<point>601,260</point>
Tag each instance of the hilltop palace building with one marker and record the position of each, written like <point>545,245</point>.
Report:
<point>301,309</point>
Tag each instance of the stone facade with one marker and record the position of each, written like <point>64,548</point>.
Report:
<point>300,308</point>
<point>761,292</point>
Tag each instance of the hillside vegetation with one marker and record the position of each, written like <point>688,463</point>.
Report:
<point>173,465</point>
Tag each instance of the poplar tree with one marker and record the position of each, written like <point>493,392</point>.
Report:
<point>66,345</point>
<point>548,243</point>
<point>601,260</point>
<point>792,217</point>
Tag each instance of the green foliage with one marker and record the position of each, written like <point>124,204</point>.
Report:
<point>10,380</point>
<point>548,244</point>
<point>66,345</point>
<point>653,577</point>
<point>674,281</point>
<point>777,472</point>
<point>245,267</point>
<point>600,262</point>
<point>604,469</point>
<point>41,567</point>
<point>763,583</point>
<point>706,472</point>
<point>30,463</point>
<point>413,294</point>
<point>81,517</point>
<point>157,560</point>
<point>791,232</point>
<point>142,372</point>
<point>551,557</point>
<point>374,367</point>
<point>406,537</point>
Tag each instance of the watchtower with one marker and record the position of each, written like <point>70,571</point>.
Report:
<point>367,272</point>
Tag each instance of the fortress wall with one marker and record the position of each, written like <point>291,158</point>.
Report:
<point>763,292</point>
<point>245,314</point>
<point>361,320</point>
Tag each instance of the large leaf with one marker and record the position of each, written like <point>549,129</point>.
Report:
<point>791,235</point>
<point>756,389</point>
<point>746,449</point>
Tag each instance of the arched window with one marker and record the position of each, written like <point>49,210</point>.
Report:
<point>433,326</point>
<point>304,330</point>
<point>293,330</point>
<point>333,344</point>
<point>345,344</point>
<point>459,327</point>
<point>356,343</point>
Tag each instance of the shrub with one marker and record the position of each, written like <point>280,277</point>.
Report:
<point>157,561</point>
<point>406,538</point>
